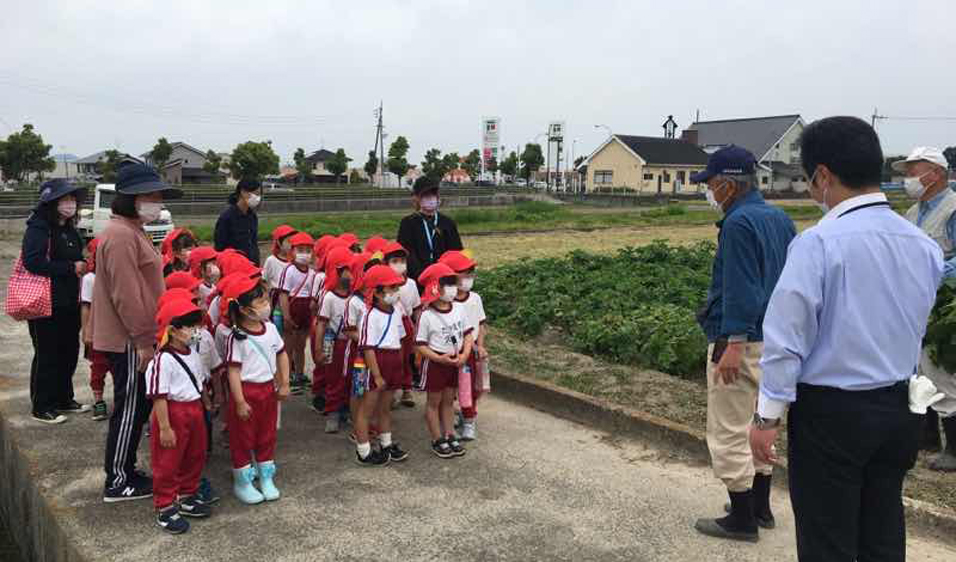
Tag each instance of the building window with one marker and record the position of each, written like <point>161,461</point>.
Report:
<point>794,147</point>
<point>648,177</point>
<point>680,176</point>
<point>603,176</point>
<point>667,177</point>
<point>763,180</point>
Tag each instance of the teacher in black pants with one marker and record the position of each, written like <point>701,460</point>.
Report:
<point>426,234</point>
<point>52,248</point>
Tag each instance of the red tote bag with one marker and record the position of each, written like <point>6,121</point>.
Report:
<point>28,295</point>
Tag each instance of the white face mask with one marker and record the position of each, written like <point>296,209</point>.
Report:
<point>430,203</point>
<point>391,298</point>
<point>914,186</point>
<point>303,258</point>
<point>149,211</point>
<point>399,267</point>
<point>66,208</point>
<point>448,293</point>
<point>821,204</point>
<point>253,200</point>
<point>466,283</point>
<point>213,273</point>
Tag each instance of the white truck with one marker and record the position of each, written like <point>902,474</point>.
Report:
<point>92,221</point>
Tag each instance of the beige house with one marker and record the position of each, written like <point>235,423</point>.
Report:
<point>645,165</point>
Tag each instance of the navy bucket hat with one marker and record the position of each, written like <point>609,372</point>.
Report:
<point>728,160</point>
<point>140,179</point>
<point>54,189</point>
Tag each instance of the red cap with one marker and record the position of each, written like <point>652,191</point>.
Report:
<point>375,244</point>
<point>182,280</point>
<point>238,287</point>
<point>167,245</point>
<point>429,279</point>
<point>394,248</point>
<point>357,266</point>
<point>301,239</point>
<point>91,254</point>
<point>175,294</point>
<point>457,260</point>
<point>175,308</point>
<point>381,276</point>
<point>349,238</point>
<point>282,231</point>
<point>337,257</point>
<point>198,257</point>
<point>234,262</point>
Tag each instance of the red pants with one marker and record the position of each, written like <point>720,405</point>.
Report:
<point>337,376</point>
<point>476,391</point>
<point>256,435</point>
<point>436,377</point>
<point>176,471</point>
<point>390,365</point>
<point>300,309</point>
<point>99,366</point>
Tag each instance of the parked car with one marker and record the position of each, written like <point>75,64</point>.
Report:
<point>539,185</point>
<point>484,183</point>
<point>521,182</point>
<point>92,221</point>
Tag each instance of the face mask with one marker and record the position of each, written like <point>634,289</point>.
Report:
<point>822,205</point>
<point>253,200</point>
<point>66,208</point>
<point>261,313</point>
<point>391,298</point>
<point>303,258</point>
<point>149,211</point>
<point>712,199</point>
<point>213,273</point>
<point>449,292</point>
<point>466,283</point>
<point>429,203</point>
<point>914,186</point>
<point>399,267</point>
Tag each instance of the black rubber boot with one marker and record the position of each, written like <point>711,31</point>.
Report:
<point>762,512</point>
<point>946,461</point>
<point>930,440</point>
<point>739,525</point>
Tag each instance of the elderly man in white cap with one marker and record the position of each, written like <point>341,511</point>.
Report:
<point>927,181</point>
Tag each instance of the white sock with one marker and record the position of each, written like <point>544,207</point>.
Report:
<point>385,439</point>
<point>469,420</point>
<point>364,449</point>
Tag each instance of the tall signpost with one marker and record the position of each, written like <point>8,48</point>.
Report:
<point>555,137</point>
<point>490,142</point>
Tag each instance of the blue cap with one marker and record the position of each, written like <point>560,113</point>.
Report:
<point>54,189</point>
<point>139,179</point>
<point>728,160</point>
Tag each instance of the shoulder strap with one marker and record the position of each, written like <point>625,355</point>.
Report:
<point>262,352</point>
<point>387,326</point>
<point>185,368</point>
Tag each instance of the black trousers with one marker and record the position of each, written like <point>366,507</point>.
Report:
<point>848,454</point>
<point>56,350</point>
<point>130,411</point>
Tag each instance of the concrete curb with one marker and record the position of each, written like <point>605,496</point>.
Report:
<point>621,420</point>
<point>31,517</point>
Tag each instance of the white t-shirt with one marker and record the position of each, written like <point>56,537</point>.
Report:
<point>297,283</point>
<point>318,289</point>
<point>409,297</point>
<point>86,288</point>
<point>213,311</point>
<point>211,358</point>
<point>354,312</point>
<point>333,312</point>
<point>473,310</point>
<point>165,377</point>
<point>382,330</point>
<point>256,354</point>
<point>442,332</point>
<point>204,292</point>
<point>272,271</point>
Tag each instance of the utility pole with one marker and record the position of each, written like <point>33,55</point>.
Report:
<point>380,146</point>
<point>876,116</point>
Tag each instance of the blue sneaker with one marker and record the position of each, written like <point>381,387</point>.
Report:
<point>206,494</point>
<point>170,521</point>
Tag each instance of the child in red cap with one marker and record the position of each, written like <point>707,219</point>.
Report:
<point>175,249</point>
<point>330,344</point>
<point>445,343</point>
<point>296,285</point>
<point>396,257</point>
<point>280,258</point>
<point>257,363</point>
<point>174,381</point>
<point>380,343</point>
<point>99,363</point>
<point>203,266</point>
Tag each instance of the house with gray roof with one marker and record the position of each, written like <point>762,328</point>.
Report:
<point>644,165</point>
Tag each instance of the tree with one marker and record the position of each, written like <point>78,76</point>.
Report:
<point>472,164</point>
<point>107,166</point>
<point>509,166</point>
<point>160,153</point>
<point>950,154</point>
<point>371,165</point>
<point>253,160</point>
<point>213,162</point>
<point>578,161</point>
<point>492,165</point>
<point>338,164</point>
<point>355,177</point>
<point>531,159</point>
<point>24,153</point>
<point>303,166</point>
<point>397,162</point>
<point>451,162</point>
<point>434,166</point>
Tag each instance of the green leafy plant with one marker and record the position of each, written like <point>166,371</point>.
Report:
<point>940,338</point>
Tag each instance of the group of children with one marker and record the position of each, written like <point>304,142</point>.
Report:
<point>235,336</point>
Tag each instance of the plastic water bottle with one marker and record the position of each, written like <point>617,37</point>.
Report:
<point>484,375</point>
<point>328,346</point>
<point>464,387</point>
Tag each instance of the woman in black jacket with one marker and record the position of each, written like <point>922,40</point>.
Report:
<point>52,248</point>
<point>426,234</point>
<point>238,225</point>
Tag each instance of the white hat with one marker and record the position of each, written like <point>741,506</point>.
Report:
<point>925,154</point>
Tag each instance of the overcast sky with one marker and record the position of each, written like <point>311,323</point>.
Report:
<point>92,75</point>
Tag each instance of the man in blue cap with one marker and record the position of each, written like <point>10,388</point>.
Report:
<point>751,251</point>
<point>129,282</point>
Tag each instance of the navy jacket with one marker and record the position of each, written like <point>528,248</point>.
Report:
<point>751,251</point>
<point>58,262</point>
<point>239,231</point>
<point>413,234</point>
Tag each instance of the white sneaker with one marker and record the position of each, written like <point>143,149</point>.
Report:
<point>468,431</point>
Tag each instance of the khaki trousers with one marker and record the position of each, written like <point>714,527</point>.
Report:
<point>730,410</point>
